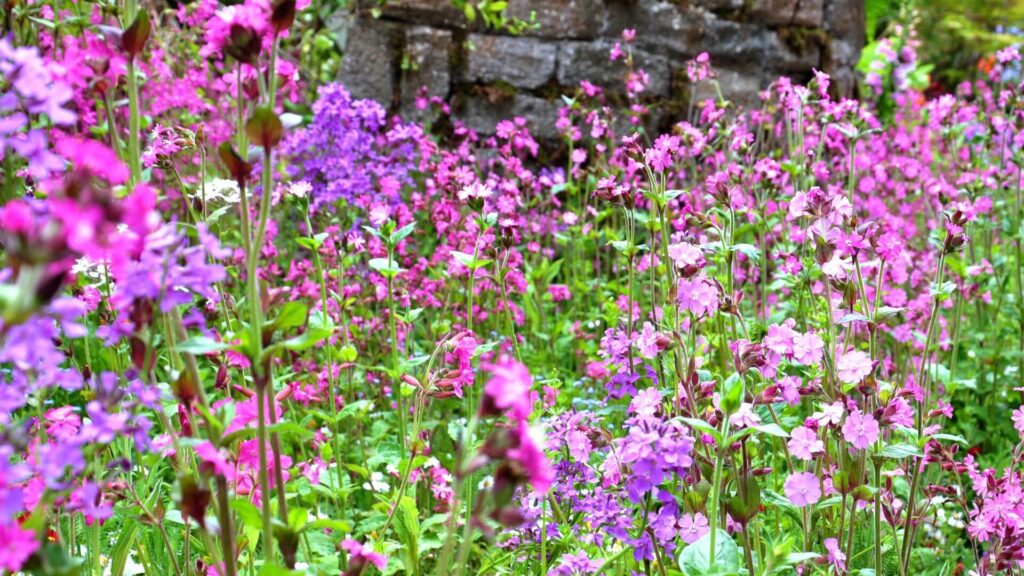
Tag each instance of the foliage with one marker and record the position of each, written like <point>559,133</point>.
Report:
<point>244,330</point>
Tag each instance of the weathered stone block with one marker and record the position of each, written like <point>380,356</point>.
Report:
<point>367,66</point>
<point>590,61</point>
<point>563,19</point>
<point>788,12</point>
<point>428,59</point>
<point>664,28</point>
<point>483,115</point>
<point>737,86</point>
<point>439,13</point>
<point>522,62</point>
<point>735,43</point>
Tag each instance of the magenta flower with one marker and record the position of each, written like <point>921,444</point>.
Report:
<point>860,429</point>
<point>362,554</point>
<point>95,157</point>
<point>529,453</point>
<point>853,366</point>
<point>16,546</point>
<point>804,443</point>
<point>803,488</point>
<point>215,460</point>
<point>508,390</point>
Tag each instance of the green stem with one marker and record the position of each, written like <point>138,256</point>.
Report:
<point>716,482</point>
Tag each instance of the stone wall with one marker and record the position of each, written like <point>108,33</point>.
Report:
<point>488,75</point>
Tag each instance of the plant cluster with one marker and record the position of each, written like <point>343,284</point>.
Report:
<point>241,333</point>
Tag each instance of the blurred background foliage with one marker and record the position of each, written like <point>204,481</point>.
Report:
<point>956,36</point>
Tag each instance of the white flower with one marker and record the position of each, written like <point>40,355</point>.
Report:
<point>475,190</point>
<point>300,189</point>
<point>85,266</point>
<point>377,483</point>
<point>220,190</point>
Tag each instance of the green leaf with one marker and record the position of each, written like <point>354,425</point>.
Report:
<point>772,429</point>
<point>123,548</point>
<point>407,525</point>
<point>199,345</point>
<point>275,570</point>
<point>733,393</point>
<point>703,426</point>
<point>900,451</point>
<point>292,315</point>
<point>247,512</point>
<point>695,559</point>
<point>291,429</point>
<point>402,233</point>
<point>469,261</point>
<point>348,353</point>
<point>952,438</point>
<point>387,268</point>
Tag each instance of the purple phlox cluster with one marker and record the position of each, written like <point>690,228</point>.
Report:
<point>30,88</point>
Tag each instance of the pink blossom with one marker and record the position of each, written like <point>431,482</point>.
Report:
<point>808,348</point>
<point>860,429</point>
<point>698,295</point>
<point>803,488</point>
<point>853,366</point>
<point>508,390</point>
<point>16,546</point>
<point>835,556</point>
<point>693,527</point>
<point>804,443</point>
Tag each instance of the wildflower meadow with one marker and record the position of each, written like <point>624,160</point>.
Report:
<point>252,325</point>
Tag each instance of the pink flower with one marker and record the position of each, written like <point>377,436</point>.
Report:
<point>860,429</point>
<point>215,460</point>
<point>16,546</point>
<point>508,390</point>
<point>1018,420</point>
<point>835,555</point>
<point>62,423</point>
<point>808,348</point>
<point>686,256</point>
<point>646,402</point>
<point>853,366</point>
<point>780,338</point>
<point>693,527</point>
<point>803,489</point>
<point>529,453</point>
<point>647,341</point>
<point>362,554</point>
<point>698,295</point>
<point>804,443</point>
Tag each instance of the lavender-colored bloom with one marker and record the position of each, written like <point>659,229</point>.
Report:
<point>30,87</point>
<point>169,270</point>
<point>348,148</point>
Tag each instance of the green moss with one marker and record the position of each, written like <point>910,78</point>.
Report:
<point>801,39</point>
